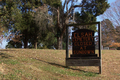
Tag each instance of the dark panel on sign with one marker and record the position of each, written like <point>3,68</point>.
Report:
<point>82,62</point>
<point>83,42</point>
<point>84,55</point>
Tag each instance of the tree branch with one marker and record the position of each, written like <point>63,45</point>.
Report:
<point>64,5</point>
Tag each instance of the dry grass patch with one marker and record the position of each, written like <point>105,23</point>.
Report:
<point>45,64</point>
<point>2,68</point>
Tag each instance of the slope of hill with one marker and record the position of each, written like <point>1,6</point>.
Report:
<point>31,64</point>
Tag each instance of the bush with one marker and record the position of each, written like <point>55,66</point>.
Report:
<point>118,48</point>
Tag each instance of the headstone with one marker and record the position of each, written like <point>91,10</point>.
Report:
<point>106,48</point>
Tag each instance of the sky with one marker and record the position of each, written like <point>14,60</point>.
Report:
<point>109,1</point>
<point>4,43</point>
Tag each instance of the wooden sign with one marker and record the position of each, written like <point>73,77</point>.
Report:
<point>83,43</point>
<point>83,47</point>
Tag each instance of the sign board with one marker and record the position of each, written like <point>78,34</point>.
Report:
<point>83,47</point>
<point>83,43</point>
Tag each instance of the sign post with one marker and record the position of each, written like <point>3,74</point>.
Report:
<point>83,47</point>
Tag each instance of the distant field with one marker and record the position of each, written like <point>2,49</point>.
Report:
<point>46,64</point>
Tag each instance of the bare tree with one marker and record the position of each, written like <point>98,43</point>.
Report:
<point>113,13</point>
<point>65,13</point>
<point>108,33</point>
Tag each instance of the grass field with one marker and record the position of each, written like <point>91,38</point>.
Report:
<point>45,64</point>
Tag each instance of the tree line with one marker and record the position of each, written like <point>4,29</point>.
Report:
<point>111,26</point>
<point>42,23</point>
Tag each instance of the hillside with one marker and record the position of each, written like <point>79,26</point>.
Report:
<point>45,64</point>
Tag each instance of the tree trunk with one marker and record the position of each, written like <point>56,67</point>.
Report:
<point>59,39</point>
<point>25,43</point>
<point>26,39</point>
<point>59,42</point>
<point>35,45</point>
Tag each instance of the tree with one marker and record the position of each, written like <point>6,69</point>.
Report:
<point>117,34</point>
<point>49,40</point>
<point>115,45</point>
<point>90,10</point>
<point>3,28</point>
<point>65,13</point>
<point>26,20</point>
<point>85,17</point>
<point>12,44</point>
<point>95,7</point>
<point>43,21</point>
<point>29,22</point>
<point>18,19</point>
<point>108,33</point>
<point>113,13</point>
<point>25,8</point>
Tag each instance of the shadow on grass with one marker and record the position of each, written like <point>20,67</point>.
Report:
<point>4,55</point>
<point>6,50</point>
<point>87,73</point>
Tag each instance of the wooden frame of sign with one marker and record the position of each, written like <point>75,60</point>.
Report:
<point>83,55</point>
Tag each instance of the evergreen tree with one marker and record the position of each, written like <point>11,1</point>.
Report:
<point>90,10</point>
<point>85,17</point>
<point>18,17</point>
<point>12,44</point>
